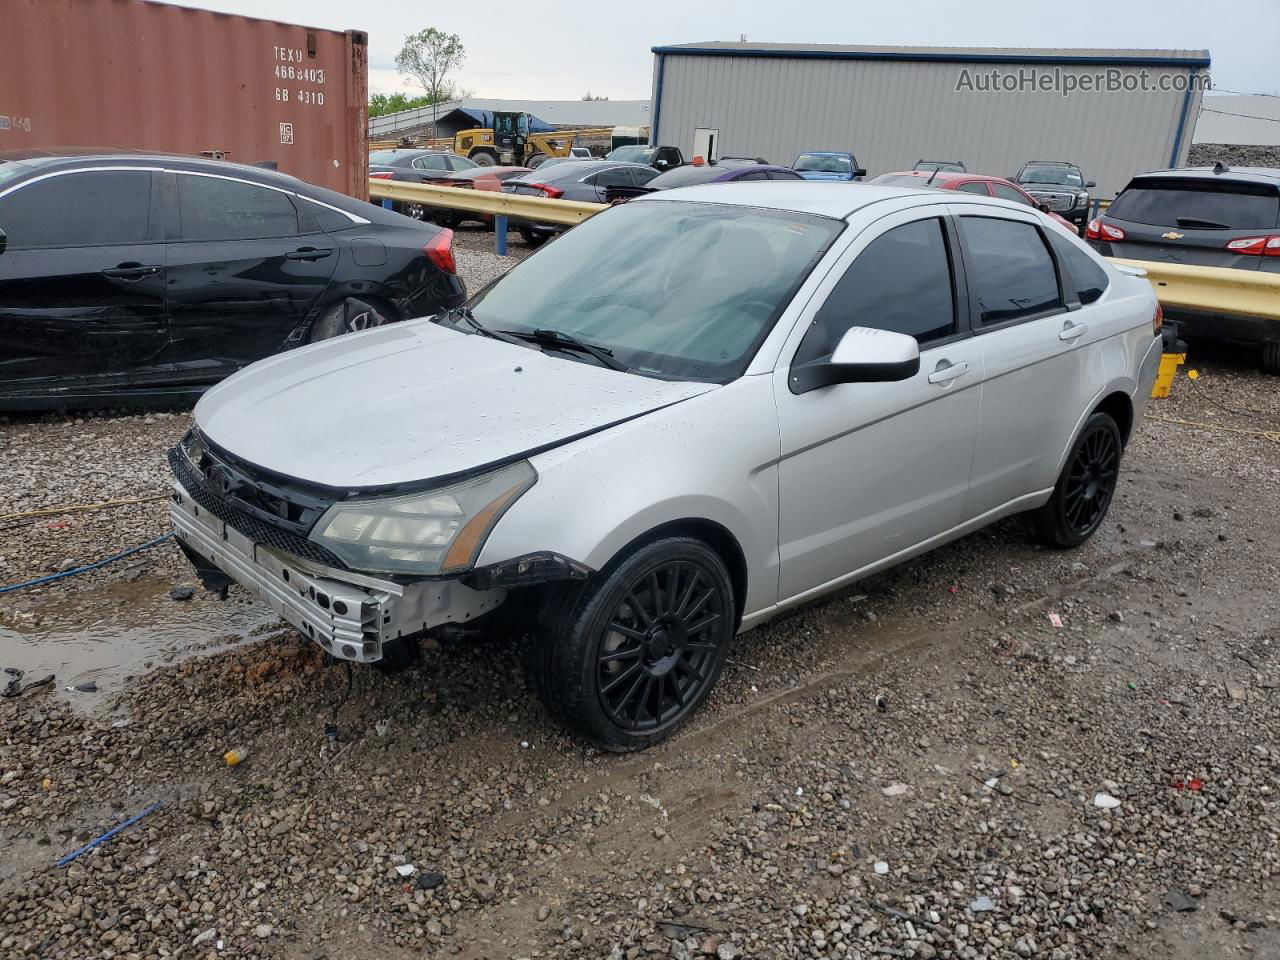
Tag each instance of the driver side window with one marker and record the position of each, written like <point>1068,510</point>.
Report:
<point>900,282</point>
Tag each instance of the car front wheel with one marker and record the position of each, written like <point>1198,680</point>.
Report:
<point>625,659</point>
<point>1085,487</point>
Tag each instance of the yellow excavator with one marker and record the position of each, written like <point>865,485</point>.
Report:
<point>512,142</point>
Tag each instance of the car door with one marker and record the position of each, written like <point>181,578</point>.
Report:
<point>430,166</point>
<point>609,177</point>
<point>1035,349</point>
<point>82,283</point>
<point>245,271</point>
<point>871,471</point>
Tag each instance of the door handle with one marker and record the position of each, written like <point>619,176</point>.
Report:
<point>132,271</point>
<point>309,253</point>
<point>946,371</point>
<point>1072,331</point>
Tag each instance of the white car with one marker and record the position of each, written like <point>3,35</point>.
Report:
<point>690,413</point>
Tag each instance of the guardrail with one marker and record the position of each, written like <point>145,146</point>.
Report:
<point>1218,289</point>
<point>499,205</point>
<point>1245,292</point>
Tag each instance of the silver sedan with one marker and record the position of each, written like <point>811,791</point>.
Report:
<point>690,413</point>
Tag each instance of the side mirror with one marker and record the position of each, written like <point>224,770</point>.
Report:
<point>859,172</point>
<point>1089,184</point>
<point>4,240</point>
<point>863,355</point>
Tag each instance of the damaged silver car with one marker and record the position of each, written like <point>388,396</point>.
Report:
<point>692,412</point>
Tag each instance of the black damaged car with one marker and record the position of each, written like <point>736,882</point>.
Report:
<point>146,278</point>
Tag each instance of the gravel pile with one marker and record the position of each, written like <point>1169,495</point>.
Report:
<point>1244,155</point>
<point>922,766</point>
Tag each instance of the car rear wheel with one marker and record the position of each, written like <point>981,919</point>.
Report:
<point>535,160</point>
<point>626,659</point>
<point>1085,487</point>
<point>339,319</point>
<point>534,238</point>
<point>1271,357</point>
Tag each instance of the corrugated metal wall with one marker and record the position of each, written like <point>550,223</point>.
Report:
<point>891,113</point>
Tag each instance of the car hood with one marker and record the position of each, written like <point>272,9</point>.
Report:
<point>823,175</point>
<point>415,401</point>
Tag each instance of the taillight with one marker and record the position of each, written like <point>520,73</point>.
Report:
<point>1158,320</point>
<point>439,250</point>
<point>551,193</point>
<point>1109,232</point>
<point>381,176</point>
<point>1093,231</point>
<point>1256,246</point>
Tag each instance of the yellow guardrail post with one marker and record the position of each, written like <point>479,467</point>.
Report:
<point>499,205</point>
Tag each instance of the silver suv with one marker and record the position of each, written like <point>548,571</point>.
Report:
<point>690,413</point>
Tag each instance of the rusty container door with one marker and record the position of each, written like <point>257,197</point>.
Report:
<point>134,74</point>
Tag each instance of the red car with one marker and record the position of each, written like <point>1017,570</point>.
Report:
<point>968,183</point>
<point>481,178</point>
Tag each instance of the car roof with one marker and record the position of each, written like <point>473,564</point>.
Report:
<point>822,198</point>
<point>1269,176</point>
<point>940,177</point>
<point>1050,163</point>
<point>48,161</point>
<point>825,153</point>
<point>583,168</point>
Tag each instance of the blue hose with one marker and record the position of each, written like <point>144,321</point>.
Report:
<point>110,833</point>
<point>92,566</point>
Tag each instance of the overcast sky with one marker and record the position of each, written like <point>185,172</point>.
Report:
<point>558,49</point>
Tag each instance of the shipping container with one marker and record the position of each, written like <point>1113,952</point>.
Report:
<point>140,75</point>
<point>1113,112</point>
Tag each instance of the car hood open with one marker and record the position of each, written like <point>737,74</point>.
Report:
<point>415,401</point>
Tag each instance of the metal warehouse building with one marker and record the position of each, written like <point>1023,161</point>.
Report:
<point>1113,112</point>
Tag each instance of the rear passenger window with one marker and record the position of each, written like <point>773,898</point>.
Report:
<point>1081,272</point>
<point>900,282</point>
<point>973,186</point>
<point>216,209</point>
<point>1009,269</point>
<point>1009,193</point>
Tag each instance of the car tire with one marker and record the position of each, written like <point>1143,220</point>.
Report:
<point>624,659</point>
<point>535,160</point>
<point>333,322</point>
<point>1271,357</point>
<point>534,238</point>
<point>1085,487</point>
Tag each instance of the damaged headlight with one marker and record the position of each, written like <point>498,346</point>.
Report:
<point>423,534</point>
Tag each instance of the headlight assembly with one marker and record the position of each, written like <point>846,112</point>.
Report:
<point>423,534</point>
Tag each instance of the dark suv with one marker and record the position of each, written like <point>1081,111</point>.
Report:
<point>1205,216</point>
<point>1059,184</point>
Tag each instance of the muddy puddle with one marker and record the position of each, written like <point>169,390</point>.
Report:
<point>108,632</point>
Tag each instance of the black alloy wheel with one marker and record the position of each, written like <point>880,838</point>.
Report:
<point>1085,486</point>
<point>627,657</point>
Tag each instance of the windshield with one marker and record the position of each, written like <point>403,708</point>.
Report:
<point>1061,176</point>
<point>676,290</point>
<point>1230,206</point>
<point>822,163</point>
<point>635,153</point>
<point>944,165</point>
<point>905,180</point>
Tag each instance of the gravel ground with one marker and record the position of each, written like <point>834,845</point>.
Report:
<point>908,769</point>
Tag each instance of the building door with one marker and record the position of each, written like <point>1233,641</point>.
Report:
<point>705,141</point>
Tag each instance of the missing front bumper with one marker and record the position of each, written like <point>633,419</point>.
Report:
<point>349,614</point>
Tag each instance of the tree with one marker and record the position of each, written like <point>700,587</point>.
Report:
<point>588,96</point>
<point>380,104</point>
<point>429,56</point>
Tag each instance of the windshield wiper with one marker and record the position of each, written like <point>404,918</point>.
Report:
<point>558,338</point>
<point>1202,223</point>
<point>466,314</point>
